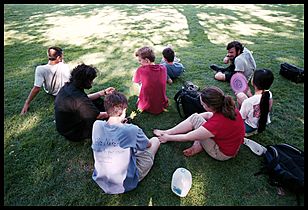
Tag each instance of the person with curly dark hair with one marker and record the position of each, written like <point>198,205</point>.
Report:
<point>75,111</point>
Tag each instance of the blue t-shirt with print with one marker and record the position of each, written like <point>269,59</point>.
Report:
<point>114,148</point>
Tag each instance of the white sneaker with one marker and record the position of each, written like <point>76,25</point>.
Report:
<point>176,60</point>
<point>255,147</point>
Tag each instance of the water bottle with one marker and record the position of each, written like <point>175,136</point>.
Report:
<point>181,182</point>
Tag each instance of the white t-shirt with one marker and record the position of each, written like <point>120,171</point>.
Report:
<point>52,77</point>
<point>250,110</point>
<point>245,63</point>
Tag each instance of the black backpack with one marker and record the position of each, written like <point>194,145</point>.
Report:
<point>284,164</point>
<point>292,72</point>
<point>188,100</point>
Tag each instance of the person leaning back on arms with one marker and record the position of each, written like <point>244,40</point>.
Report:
<point>52,76</point>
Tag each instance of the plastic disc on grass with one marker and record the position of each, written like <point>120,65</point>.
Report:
<point>238,83</point>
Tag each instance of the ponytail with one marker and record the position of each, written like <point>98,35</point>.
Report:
<point>264,110</point>
<point>215,98</point>
<point>228,108</point>
<point>263,79</point>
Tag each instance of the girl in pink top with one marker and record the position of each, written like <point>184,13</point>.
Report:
<point>152,79</point>
<point>219,131</point>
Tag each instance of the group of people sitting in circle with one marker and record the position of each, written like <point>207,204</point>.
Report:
<point>123,154</point>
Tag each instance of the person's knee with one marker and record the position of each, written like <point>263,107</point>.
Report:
<point>155,141</point>
<point>220,76</point>
<point>241,97</point>
<point>196,120</point>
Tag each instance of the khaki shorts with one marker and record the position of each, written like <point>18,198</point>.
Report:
<point>144,161</point>
<point>208,145</point>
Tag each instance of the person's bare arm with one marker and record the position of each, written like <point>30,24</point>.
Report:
<point>270,104</point>
<point>206,115</point>
<point>101,93</point>
<point>226,59</point>
<point>34,91</point>
<point>102,115</point>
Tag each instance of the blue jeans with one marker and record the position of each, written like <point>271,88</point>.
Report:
<point>249,129</point>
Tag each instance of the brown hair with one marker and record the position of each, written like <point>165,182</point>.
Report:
<point>215,98</point>
<point>115,103</point>
<point>146,52</point>
<point>54,52</point>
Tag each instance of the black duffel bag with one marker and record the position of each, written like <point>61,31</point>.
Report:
<point>291,72</point>
<point>188,100</point>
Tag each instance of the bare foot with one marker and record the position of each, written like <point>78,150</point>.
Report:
<point>158,132</point>
<point>194,149</point>
<point>163,138</point>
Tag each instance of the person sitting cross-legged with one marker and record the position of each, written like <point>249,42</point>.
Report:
<point>123,154</point>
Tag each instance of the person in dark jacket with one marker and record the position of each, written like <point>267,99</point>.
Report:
<point>75,111</point>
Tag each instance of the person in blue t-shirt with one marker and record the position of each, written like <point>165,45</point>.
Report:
<point>123,154</point>
<point>174,68</point>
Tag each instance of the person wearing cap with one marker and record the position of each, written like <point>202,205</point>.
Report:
<point>51,76</point>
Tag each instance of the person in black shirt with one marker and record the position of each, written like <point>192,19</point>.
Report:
<point>75,111</point>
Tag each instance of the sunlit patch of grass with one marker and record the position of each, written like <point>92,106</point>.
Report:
<point>24,126</point>
<point>247,22</point>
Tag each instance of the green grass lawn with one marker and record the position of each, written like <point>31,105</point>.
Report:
<point>42,168</point>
